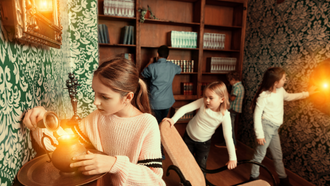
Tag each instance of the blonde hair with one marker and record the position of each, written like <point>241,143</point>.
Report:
<point>122,76</point>
<point>220,89</point>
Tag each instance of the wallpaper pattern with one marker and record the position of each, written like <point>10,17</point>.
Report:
<point>296,36</point>
<point>31,76</point>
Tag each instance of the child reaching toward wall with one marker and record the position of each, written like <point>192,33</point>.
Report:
<point>211,114</point>
<point>121,126</point>
<point>268,117</point>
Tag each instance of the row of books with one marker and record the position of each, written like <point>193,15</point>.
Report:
<point>124,8</point>
<point>103,36</point>
<point>187,88</point>
<point>187,116</point>
<point>220,64</point>
<point>186,65</point>
<point>181,39</point>
<point>127,35</point>
<point>214,41</point>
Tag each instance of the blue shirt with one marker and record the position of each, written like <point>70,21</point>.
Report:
<point>161,74</point>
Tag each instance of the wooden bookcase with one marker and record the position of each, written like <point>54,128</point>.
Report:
<point>202,16</point>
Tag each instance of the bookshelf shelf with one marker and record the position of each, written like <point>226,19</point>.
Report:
<point>217,50</point>
<point>218,73</point>
<point>188,73</point>
<point>115,45</point>
<point>207,18</point>
<point>222,27</point>
<point>173,48</point>
<point>108,17</point>
<point>185,97</point>
<point>168,22</point>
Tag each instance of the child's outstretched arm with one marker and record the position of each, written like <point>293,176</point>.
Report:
<point>296,96</point>
<point>227,133</point>
<point>187,108</point>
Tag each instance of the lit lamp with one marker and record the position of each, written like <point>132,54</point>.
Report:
<point>320,78</point>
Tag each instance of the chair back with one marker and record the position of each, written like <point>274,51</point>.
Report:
<point>180,155</point>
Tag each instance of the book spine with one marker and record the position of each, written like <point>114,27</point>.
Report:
<point>101,33</point>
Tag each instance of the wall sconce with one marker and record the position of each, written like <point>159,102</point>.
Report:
<point>27,22</point>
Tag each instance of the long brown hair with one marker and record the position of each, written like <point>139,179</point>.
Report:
<point>271,75</point>
<point>220,89</point>
<point>122,76</point>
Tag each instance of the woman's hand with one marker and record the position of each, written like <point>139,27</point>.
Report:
<point>91,164</point>
<point>32,117</point>
<point>261,141</point>
<point>232,164</point>
<point>170,120</point>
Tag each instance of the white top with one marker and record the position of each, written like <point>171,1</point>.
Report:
<point>270,106</point>
<point>203,125</point>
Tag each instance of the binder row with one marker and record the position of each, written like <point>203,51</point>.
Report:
<point>214,41</point>
<point>186,65</point>
<point>181,39</point>
<point>103,36</point>
<point>124,8</point>
<point>220,64</point>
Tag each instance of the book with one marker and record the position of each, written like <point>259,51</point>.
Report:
<point>124,35</point>
<point>133,35</point>
<point>101,33</point>
<point>129,37</point>
<point>106,33</point>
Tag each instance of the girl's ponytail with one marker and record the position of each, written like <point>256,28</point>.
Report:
<point>142,98</point>
<point>122,76</point>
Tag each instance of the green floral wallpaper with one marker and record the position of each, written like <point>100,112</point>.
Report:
<point>31,76</point>
<point>296,36</point>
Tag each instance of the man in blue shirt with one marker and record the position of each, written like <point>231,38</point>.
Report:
<point>161,74</point>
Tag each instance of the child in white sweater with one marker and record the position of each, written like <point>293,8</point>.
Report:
<point>212,113</point>
<point>268,117</point>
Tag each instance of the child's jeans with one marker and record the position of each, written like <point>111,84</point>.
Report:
<point>273,142</point>
<point>200,150</point>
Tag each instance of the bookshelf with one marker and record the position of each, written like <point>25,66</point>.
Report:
<point>219,17</point>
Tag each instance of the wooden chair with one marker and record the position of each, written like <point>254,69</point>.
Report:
<point>185,165</point>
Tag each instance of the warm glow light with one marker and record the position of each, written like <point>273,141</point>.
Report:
<point>45,5</point>
<point>325,85</point>
<point>66,136</point>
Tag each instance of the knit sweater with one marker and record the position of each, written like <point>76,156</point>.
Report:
<point>135,142</point>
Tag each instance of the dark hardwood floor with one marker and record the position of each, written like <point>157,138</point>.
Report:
<point>218,157</point>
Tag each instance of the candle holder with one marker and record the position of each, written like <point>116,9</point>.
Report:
<point>72,84</point>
